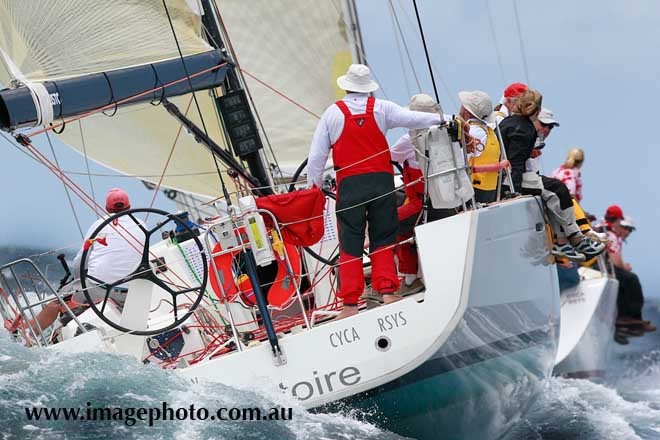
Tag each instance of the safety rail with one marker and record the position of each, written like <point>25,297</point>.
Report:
<point>15,301</point>
<point>236,221</point>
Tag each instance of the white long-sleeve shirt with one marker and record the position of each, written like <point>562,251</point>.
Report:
<point>387,114</point>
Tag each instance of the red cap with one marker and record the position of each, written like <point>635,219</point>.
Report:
<point>514,90</point>
<point>117,201</point>
<point>614,212</point>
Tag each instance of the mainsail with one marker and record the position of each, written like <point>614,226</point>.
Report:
<point>290,53</point>
<point>47,40</point>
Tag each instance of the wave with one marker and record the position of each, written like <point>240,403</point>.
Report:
<point>42,378</point>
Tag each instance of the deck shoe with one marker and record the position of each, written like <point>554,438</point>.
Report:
<point>589,248</point>
<point>409,289</point>
<point>567,251</point>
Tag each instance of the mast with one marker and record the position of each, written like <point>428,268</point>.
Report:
<point>353,31</point>
<point>241,130</point>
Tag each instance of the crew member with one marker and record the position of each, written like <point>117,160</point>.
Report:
<point>354,128</point>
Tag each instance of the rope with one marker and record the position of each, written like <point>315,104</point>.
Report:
<point>89,175</point>
<point>281,94</point>
<point>247,90</point>
<point>497,48</point>
<point>420,179</point>
<point>435,68</point>
<point>194,95</point>
<point>66,190</point>
<point>520,39</point>
<point>169,157</point>
<point>405,45</point>
<point>426,51</point>
<point>85,198</point>
<point>123,101</point>
<point>185,258</point>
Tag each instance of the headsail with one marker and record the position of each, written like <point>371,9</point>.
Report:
<point>46,40</point>
<point>290,53</point>
<point>51,39</point>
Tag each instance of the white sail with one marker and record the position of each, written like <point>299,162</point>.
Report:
<point>49,39</point>
<point>78,37</point>
<point>289,50</point>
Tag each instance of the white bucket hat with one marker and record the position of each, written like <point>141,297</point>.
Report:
<point>547,117</point>
<point>478,103</point>
<point>357,79</point>
<point>628,223</point>
<point>423,103</point>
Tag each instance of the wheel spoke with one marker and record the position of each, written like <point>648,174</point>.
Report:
<point>105,299</point>
<point>139,224</point>
<point>96,280</point>
<point>192,289</point>
<point>158,226</point>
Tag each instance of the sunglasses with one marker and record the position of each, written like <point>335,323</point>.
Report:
<point>548,126</point>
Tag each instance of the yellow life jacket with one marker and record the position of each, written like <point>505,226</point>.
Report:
<point>490,155</point>
<point>581,218</point>
<point>583,222</point>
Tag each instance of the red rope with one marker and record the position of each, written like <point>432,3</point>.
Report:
<point>281,94</point>
<point>89,201</point>
<point>263,83</point>
<point>169,157</point>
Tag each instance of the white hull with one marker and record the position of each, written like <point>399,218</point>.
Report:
<point>466,356</point>
<point>474,346</point>
<point>588,313</point>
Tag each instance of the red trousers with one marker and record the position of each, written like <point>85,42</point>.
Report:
<point>360,201</point>
<point>408,214</point>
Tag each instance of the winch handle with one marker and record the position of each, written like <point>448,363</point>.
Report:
<point>67,271</point>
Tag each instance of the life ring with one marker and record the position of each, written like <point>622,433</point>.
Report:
<point>284,287</point>
<point>235,283</point>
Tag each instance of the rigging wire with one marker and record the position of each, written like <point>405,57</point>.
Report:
<point>225,32</point>
<point>360,49</point>
<point>169,157</point>
<point>426,51</point>
<point>194,95</point>
<point>520,39</point>
<point>442,81</point>
<point>400,52</point>
<point>89,175</point>
<point>405,45</point>
<point>497,48</point>
<point>66,190</point>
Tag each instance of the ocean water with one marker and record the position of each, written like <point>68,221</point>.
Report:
<point>624,405</point>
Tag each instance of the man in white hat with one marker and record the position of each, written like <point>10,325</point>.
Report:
<point>477,110</point>
<point>354,128</point>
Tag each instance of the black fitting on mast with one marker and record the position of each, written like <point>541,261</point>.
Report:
<point>252,157</point>
<point>216,149</point>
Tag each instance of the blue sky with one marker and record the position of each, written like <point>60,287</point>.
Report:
<point>595,61</point>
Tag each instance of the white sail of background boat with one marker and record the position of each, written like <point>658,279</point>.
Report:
<point>464,357</point>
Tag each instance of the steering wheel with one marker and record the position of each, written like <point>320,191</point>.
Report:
<point>150,268</point>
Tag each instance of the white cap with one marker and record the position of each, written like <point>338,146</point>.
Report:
<point>627,222</point>
<point>357,79</point>
<point>478,103</point>
<point>423,103</point>
<point>547,117</point>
